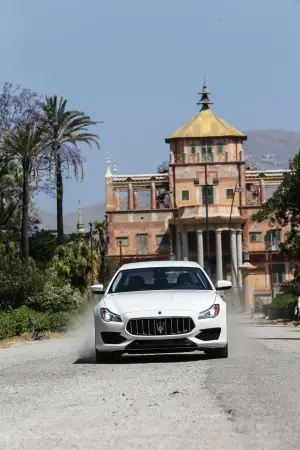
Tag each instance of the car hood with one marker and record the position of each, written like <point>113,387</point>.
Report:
<point>129,302</point>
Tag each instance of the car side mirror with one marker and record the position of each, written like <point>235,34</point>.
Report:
<point>97,289</point>
<point>223,285</point>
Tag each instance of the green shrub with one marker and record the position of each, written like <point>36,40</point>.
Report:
<point>16,285</point>
<point>283,307</point>
<point>55,298</point>
<point>291,287</point>
<point>15,322</point>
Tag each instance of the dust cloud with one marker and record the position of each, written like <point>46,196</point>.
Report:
<point>82,336</point>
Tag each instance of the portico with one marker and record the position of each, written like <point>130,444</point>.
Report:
<point>226,250</point>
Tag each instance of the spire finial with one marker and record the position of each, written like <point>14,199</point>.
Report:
<point>115,167</point>
<point>108,171</point>
<point>80,225</point>
<point>205,101</point>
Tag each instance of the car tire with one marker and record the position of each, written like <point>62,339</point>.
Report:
<point>217,353</point>
<point>106,357</point>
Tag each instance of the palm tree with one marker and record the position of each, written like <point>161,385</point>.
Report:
<point>66,130</point>
<point>26,146</point>
<point>73,262</point>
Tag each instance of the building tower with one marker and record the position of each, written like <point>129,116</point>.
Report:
<point>80,224</point>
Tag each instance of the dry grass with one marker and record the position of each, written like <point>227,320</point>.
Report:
<point>11,342</point>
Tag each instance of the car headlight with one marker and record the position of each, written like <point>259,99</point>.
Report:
<point>210,313</point>
<point>108,316</point>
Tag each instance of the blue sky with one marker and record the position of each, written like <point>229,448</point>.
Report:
<point>138,66</point>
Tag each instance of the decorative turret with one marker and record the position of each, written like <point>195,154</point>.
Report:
<point>205,101</point>
<point>108,171</point>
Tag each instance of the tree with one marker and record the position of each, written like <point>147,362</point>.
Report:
<point>27,146</point>
<point>18,106</point>
<point>283,207</point>
<point>73,263</point>
<point>101,229</point>
<point>163,167</point>
<point>10,189</point>
<point>67,129</point>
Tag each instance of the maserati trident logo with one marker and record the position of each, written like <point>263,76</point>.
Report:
<point>160,327</point>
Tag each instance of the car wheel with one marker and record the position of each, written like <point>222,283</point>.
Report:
<point>106,357</point>
<point>217,353</point>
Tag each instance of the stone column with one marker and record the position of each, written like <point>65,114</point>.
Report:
<point>219,255</point>
<point>262,194</point>
<point>185,157</point>
<point>130,196</point>
<point>178,245</point>
<point>171,157</point>
<point>200,252</point>
<point>153,196</point>
<point>286,271</point>
<point>233,258</point>
<point>267,275</point>
<point>239,245</point>
<point>135,200</point>
<point>185,245</point>
<point>118,199</point>
<point>247,270</point>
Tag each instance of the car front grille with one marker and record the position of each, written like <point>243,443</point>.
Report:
<point>169,326</point>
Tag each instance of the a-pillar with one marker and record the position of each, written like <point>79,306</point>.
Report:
<point>178,245</point>
<point>233,259</point>
<point>153,196</point>
<point>185,245</point>
<point>130,196</point>
<point>219,256</point>
<point>239,245</point>
<point>262,193</point>
<point>200,252</point>
<point>135,200</point>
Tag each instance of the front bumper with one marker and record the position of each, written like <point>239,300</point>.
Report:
<point>207,334</point>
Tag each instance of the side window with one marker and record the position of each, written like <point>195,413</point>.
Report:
<point>277,273</point>
<point>142,244</point>
<point>229,193</point>
<point>220,149</point>
<point>206,150</point>
<point>255,236</point>
<point>193,150</point>
<point>273,239</point>
<point>210,195</point>
<point>122,241</point>
<point>185,195</point>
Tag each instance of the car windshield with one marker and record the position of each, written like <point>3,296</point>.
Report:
<point>160,278</point>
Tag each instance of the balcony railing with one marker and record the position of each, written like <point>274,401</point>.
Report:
<point>187,212</point>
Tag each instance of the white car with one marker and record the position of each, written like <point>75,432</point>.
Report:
<point>166,307</point>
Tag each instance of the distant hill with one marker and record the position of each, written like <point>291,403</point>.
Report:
<point>270,149</point>
<point>89,214</point>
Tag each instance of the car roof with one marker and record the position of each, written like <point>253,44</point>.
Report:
<point>154,264</point>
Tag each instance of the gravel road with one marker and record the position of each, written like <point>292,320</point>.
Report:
<point>53,396</point>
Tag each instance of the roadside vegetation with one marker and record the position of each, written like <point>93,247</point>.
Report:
<point>283,209</point>
<point>44,274</point>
